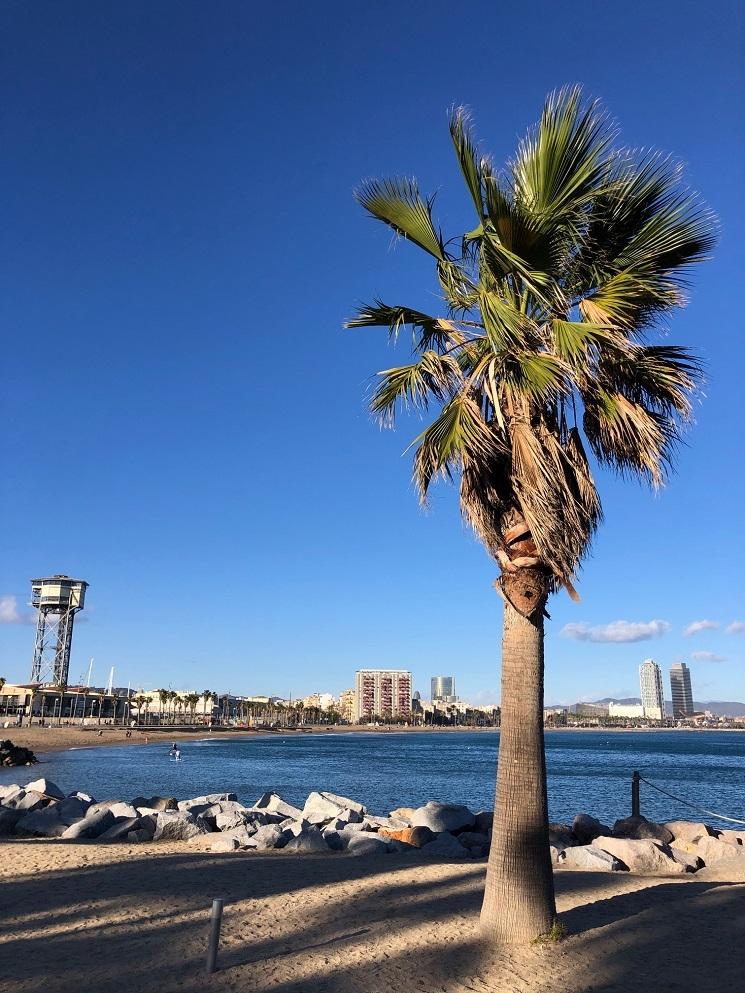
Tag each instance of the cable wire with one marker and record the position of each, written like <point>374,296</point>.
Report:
<point>694,806</point>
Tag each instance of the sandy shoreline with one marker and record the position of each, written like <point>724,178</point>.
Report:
<point>55,739</point>
<point>91,916</point>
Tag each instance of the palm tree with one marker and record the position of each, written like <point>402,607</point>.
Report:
<point>208,696</point>
<point>163,698</point>
<point>577,252</point>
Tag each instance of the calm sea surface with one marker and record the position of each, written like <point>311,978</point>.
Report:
<point>587,771</point>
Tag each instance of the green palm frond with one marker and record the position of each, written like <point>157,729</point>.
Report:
<point>461,132</point>
<point>505,325</point>
<point>434,376</point>
<point>398,204</point>
<point>436,332</point>
<point>458,436</point>
<point>563,162</point>
<point>572,339</point>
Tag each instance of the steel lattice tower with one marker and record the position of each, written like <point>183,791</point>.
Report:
<point>57,599</point>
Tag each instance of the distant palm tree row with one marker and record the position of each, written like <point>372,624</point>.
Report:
<point>174,706</point>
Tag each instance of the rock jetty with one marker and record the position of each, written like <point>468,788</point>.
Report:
<point>11,754</point>
<point>329,823</point>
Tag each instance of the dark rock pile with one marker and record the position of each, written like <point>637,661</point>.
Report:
<point>11,754</point>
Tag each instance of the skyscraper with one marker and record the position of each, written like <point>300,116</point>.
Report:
<point>650,682</point>
<point>443,688</point>
<point>680,684</point>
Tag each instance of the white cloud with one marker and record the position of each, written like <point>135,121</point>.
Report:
<point>708,657</point>
<point>616,631</point>
<point>697,626</point>
<point>9,610</point>
<point>10,614</point>
<point>736,627</point>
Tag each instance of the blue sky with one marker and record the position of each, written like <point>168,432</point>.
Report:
<point>184,420</point>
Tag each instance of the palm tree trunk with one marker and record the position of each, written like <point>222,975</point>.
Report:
<point>519,900</point>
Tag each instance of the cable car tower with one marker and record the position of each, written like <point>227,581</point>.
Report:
<point>57,599</point>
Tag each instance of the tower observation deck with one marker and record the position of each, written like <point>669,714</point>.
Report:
<point>57,599</point>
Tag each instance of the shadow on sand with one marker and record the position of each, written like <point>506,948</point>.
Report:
<point>341,924</point>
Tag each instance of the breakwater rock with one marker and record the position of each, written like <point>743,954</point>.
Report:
<point>11,754</point>
<point>329,823</point>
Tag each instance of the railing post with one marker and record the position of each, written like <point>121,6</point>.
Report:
<point>635,794</point>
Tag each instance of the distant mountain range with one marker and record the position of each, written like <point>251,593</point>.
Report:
<point>720,708</point>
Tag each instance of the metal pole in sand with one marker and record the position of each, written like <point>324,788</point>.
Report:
<point>635,794</point>
<point>215,922</point>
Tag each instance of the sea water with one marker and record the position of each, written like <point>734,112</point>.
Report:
<point>587,770</point>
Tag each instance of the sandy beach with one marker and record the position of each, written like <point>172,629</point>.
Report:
<point>55,739</point>
<point>82,916</point>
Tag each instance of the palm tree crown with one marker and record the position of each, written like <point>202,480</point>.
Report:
<point>578,251</point>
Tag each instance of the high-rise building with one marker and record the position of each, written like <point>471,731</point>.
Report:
<point>383,693</point>
<point>347,705</point>
<point>680,684</point>
<point>443,689</point>
<point>650,682</point>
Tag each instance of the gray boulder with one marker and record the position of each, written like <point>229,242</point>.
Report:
<point>443,817</point>
<point>228,815</point>
<point>139,835</point>
<point>224,843</point>
<point>711,850</point>
<point>123,810</point>
<point>588,858</point>
<point>178,825</point>
<point>274,803</point>
<point>72,809</point>
<point>334,840</point>
<point>77,795</point>
<point>119,830</point>
<point>561,836</point>
<point>642,855</point>
<point>9,818</point>
<point>692,863</point>
<point>27,800</point>
<point>205,801</point>
<point>92,825</point>
<point>640,829</point>
<point>348,816</point>
<point>403,814</point>
<point>295,828</point>
<point>688,830</point>
<point>586,828</point>
<point>365,843</point>
<point>473,840</point>
<point>732,837</point>
<point>307,841</point>
<point>156,803</point>
<point>447,846</point>
<point>44,823</point>
<point>484,821</point>
<point>268,836</point>
<point>322,806</point>
<point>47,788</point>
